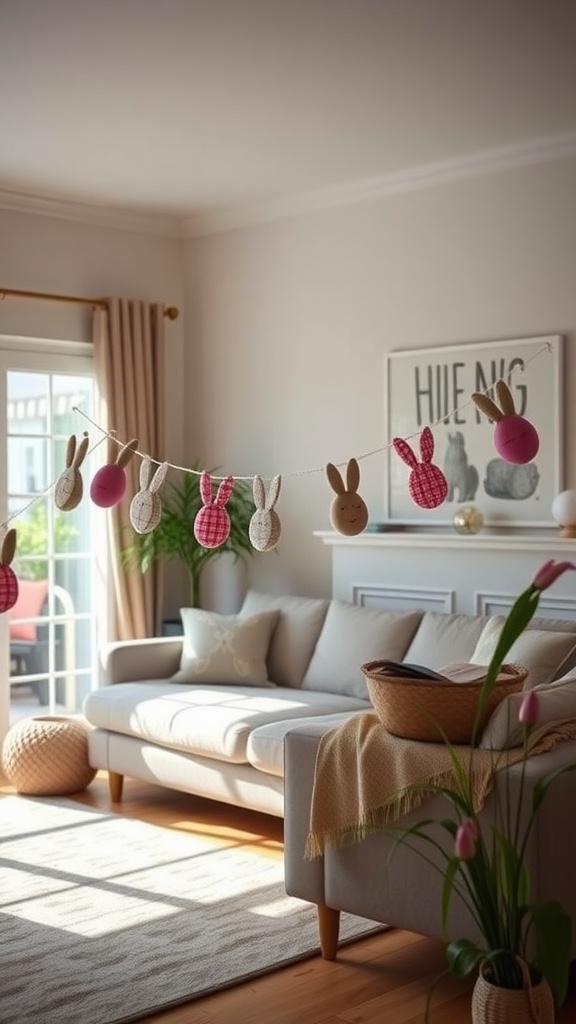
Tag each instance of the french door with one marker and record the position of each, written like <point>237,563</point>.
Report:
<point>49,636</point>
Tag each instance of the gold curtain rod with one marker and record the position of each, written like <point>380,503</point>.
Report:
<point>172,312</point>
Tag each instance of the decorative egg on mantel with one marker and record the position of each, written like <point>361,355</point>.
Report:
<point>468,519</point>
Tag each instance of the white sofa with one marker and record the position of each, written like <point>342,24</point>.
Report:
<point>208,713</point>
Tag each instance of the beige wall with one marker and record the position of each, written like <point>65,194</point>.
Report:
<point>290,322</point>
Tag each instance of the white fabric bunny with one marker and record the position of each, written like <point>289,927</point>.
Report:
<point>146,507</point>
<point>70,486</point>
<point>264,530</point>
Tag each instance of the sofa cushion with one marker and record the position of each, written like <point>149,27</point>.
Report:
<point>352,635</point>
<point>556,701</point>
<point>300,620</point>
<point>203,720</point>
<point>225,648</point>
<point>541,651</point>
<point>442,639</point>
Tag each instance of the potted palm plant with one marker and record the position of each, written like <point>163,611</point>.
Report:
<point>174,538</point>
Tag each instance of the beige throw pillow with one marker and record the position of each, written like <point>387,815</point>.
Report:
<point>352,635</point>
<point>225,648</point>
<point>541,651</point>
<point>300,620</point>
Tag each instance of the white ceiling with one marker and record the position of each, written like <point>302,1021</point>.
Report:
<point>190,107</point>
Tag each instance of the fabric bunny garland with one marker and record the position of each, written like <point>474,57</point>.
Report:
<point>348,512</point>
<point>515,438</point>
<point>212,523</point>
<point>427,484</point>
<point>146,507</point>
<point>8,580</point>
<point>69,486</point>
<point>264,529</point>
<point>109,482</point>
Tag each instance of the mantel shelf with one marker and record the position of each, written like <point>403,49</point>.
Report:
<point>550,543</point>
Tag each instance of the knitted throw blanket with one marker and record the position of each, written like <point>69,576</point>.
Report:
<point>366,778</point>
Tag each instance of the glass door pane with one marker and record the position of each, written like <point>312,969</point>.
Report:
<point>51,627</point>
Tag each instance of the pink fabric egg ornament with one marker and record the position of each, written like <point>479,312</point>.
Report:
<point>108,485</point>
<point>515,438</point>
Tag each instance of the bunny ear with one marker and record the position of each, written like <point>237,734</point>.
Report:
<point>352,475</point>
<point>145,468</point>
<point>8,547</point>
<point>403,449</point>
<point>487,406</point>
<point>334,479</point>
<point>426,445</point>
<point>273,492</point>
<point>258,492</point>
<point>206,487</point>
<point>159,477</point>
<point>127,452</point>
<point>504,396</point>
<point>225,490</point>
<point>81,451</point>
<point>70,449</point>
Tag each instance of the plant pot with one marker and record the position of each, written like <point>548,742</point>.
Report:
<point>533,1004</point>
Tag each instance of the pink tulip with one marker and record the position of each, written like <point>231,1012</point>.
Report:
<point>550,572</point>
<point>466,836</point>
<point>529,709</point>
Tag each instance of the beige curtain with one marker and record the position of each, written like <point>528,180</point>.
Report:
<point>128,340</point>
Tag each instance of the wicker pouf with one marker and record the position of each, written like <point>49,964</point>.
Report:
<point>47,756</point>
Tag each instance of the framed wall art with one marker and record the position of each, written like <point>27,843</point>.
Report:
<point>433,387</point>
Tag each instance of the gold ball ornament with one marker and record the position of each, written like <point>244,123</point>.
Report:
<point>468,519</point>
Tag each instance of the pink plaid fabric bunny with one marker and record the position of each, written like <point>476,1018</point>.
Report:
<point>427,484</point>
<point>212,523</point>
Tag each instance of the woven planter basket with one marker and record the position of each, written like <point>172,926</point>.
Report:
<point>429,710</point>
<point>533,1004</point>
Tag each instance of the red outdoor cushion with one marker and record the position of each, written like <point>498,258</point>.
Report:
<point>31,596</point>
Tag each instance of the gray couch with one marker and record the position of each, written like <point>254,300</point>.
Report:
<point>209,713</point>
<point>399,888</point>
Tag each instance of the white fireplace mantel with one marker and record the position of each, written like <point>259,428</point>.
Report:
<point>448,572</point>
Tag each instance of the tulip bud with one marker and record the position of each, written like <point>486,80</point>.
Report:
<point>465,843</point>
<point>550,572</point>
<point>529,709</point>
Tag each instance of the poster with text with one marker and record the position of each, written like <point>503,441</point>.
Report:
<point>433,387</point>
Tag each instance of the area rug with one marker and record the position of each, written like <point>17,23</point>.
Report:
<point>105,919</point>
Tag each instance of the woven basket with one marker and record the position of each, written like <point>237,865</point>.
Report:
<point>430,710</point>
<point>48,755</point>
<point>494,1005</point>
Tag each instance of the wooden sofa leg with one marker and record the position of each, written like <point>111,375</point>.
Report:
<point>328,928</point>
<point>115,785</point>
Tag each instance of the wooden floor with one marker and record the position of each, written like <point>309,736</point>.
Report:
<point>383,978</point>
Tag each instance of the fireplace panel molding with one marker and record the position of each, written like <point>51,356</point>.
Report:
<point>477,575</point>
<point>390,598</point>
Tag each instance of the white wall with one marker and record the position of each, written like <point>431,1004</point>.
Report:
<point>47,254</point>
<point>290,322</point>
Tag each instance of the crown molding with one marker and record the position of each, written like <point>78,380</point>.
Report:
<point>431,175</point>
<point>87,213</point>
